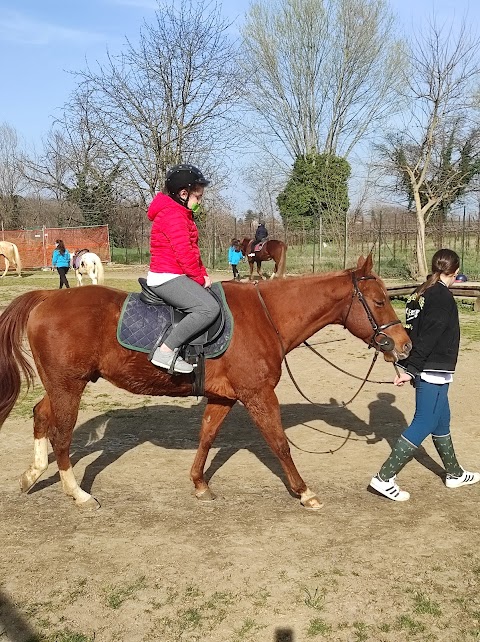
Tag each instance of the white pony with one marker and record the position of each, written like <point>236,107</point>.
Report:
<point>88,264</point>
<point>9,251</point>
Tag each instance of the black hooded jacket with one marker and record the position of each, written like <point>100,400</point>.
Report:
<point>433,326</point>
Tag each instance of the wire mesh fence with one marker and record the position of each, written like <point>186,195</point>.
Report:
<point>36,246</point>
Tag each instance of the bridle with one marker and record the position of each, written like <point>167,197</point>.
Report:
<point>379,339</point>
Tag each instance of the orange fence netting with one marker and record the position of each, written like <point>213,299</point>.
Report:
<point>36,246</point>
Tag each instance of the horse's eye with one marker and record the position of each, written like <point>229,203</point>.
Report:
<point>379,304</point>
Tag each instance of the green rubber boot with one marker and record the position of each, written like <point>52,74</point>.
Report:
<point>444,446</point>
<point>402,453</point>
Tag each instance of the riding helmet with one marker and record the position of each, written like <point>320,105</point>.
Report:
<point>184,176</point>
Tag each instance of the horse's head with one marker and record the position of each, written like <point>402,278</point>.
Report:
<point>244,244</point>
<point>370,315</point>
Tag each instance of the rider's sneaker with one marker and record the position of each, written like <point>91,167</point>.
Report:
<point>464,480</point>
<point>164,360</point>
<point>252,254</point>
<point>389,489</point>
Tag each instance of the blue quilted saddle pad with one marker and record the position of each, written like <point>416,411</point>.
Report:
<point>140,325</point>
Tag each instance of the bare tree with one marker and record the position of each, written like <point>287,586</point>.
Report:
<point>322,74</point>
<point>436,154</point>
<point>11,175</point>
<point>168,98</point>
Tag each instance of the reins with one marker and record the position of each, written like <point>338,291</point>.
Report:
<point>378,330</point>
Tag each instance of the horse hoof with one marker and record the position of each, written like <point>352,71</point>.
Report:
<point>26,482</point>
<point>205,495</point>
<point>90,505</point>
<point>312,503</point>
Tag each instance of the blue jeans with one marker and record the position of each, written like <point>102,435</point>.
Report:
<point>432,412</point>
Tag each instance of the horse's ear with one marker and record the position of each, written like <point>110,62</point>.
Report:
<point>365,264</point>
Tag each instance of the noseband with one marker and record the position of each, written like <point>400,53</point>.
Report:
<point>379,339</point>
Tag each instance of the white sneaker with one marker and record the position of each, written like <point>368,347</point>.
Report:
<point>164,360</point>
<point>465,480</point>
<point>252,254</point>
<point>389,489</point>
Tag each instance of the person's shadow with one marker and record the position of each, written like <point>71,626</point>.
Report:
<point>14,624</point>
<point>388,422</point>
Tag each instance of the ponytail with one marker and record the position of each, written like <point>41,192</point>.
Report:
<point>443,262</point>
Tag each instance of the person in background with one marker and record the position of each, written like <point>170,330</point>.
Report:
<point>433,325</point>
<point>61,261</point>
<point>260,235</point>
<point>234,257</point>
<point>177,273</point>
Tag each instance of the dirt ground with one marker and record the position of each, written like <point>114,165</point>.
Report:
<point>155,564</point>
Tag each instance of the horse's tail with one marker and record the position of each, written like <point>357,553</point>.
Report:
<point>18,261</point>
<point>13,360</point>
<point>282,262</point>
<point>99,270</point>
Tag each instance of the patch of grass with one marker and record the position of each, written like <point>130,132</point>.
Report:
<point>119,594</point>
<point>260,597</point>
<point>318,626</point>
<point>361,631</point>
<point>314,600</point>
<point>470,330</point>
<point>247,630</point>
<point>63,636</point>
<point>78,591</point>
<point>407,623</point>
<point>422,605</point>
<point>26,401</point>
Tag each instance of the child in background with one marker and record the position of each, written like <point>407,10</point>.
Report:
<point>234,257</point>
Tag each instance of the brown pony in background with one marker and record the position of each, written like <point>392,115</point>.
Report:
<point>73,339</point>
<point>271,250</point>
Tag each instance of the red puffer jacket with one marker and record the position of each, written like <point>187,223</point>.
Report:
<point>174,240</point>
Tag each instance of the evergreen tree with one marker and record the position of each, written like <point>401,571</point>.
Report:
<point>318,185</point>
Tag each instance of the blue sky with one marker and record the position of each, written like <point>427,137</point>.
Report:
<point>42,40</point>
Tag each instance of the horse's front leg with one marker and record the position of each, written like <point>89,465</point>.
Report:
<point>259,269</point>
<point>250,265</point>
<point>93,277</point>
<point>215,413</point>
<point>264,408</point>
<point>79,277</point>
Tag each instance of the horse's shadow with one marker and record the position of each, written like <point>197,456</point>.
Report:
<point>115,432</point>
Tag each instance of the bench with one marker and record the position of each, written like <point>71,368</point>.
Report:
<point>462,290</point>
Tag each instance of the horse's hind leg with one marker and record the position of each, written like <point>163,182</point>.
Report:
<point>65,405</point>
<point>41,428</point>
<point>264,408</point>
<point>215,413</point>
<point>7,265</point>
<point>93,276</point>
<point>79,278</point>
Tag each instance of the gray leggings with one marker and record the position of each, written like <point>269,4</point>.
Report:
<point>188,296</point>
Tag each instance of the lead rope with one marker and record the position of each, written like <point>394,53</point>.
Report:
<point>284,358</point>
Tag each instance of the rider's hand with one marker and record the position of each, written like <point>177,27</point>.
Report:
<point>208,281</point>
<point>402,378</point>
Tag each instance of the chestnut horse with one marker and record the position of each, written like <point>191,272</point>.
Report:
<point>73,339</point>
<point>271,250</point>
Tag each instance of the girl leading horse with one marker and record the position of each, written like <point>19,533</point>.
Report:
<point>81,326</point>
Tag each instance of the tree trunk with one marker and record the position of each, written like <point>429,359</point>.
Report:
<point>421,256</point>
